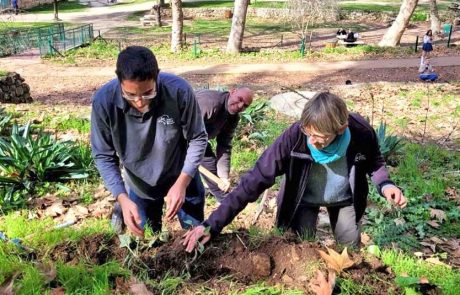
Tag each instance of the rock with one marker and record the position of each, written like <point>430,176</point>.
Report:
<point>261,264</point>
<point>19,91</point>
<point>291,103</point>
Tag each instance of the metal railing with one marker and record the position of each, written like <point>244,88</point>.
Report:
<point>17,40</point>
<point>57,43</point>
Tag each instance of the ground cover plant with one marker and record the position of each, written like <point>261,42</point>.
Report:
<point>406,251</point>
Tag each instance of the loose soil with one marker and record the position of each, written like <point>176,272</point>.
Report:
<point>276,260</point>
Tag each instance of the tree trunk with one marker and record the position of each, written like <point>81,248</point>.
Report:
<point>434,17</point>
<point>393,36</point>
<point>235,40</point>
<point>177,25</point>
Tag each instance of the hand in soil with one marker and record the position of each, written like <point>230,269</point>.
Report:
<point>195,237</point>
<point>130,215</point>
<point>321,285</point>
<point>394,196</point>
<point>176,196</point>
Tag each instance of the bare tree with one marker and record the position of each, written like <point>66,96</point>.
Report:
<point>434,17</point>
<point>393,35</point>
<point>235,39</point>
<point>177,25</point>
<point>302,14</point>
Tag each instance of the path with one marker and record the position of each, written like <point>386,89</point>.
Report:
<point>34,67</point>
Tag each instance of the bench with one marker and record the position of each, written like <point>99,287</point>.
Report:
<point>350,44</point>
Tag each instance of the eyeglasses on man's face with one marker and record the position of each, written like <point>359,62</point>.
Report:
<point>150,94</point>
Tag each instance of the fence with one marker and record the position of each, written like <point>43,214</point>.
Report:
<point>17,40</point>
<point>58,42</point>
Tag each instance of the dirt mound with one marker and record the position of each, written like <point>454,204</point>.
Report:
<point>248,259</point>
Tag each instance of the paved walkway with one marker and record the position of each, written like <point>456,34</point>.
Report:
<point>30,67</point>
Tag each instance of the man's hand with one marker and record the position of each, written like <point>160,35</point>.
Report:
<point>224,185</point>
<point>194,236</point>
<point>130,215</point>
<point>176,195</point>
<point>394,195</point>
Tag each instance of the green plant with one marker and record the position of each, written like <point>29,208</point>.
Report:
<point>72,123</point>
<point>255,112</point>
<point>390,145</point>
<point>28,160</point>
<point>5,120</point>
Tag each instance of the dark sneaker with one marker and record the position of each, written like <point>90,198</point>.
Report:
<point>117,219</point>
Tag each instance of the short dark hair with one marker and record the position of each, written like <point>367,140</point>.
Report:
<point>137,63</point>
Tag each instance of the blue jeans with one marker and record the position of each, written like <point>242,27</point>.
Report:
<point>190,214</point>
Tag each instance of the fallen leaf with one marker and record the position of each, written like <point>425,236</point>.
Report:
<point>418,254</point>
<point>424,280</point>
<point>56,209</point>
<point>435,260</point>
<point>365,239</point>
<point>433,223</point>
<point>57,291</point>
<point>438,214</point>
<point>7,287</point>
<point>431,246</point>
<point>336,261</point>
<point>399,221</point>
<point>321,285</point>
<point>48,271</point>
<point>436,240</point>
<point>139,289</point>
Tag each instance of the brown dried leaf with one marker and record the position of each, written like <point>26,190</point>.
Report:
<point>7,287</point>
<point>431,246</point>
<point>438,214</point>
<point>48,271</point>
<point>436,240</point>
<point>435,260</point>
<point>321,285</point>
<point>57,291</point>
<point>365,239</point>
<point>56,209</point>
<point>433,223</point>
<point>336,261</point>
<point>139,289</point>
<point>399,221</point>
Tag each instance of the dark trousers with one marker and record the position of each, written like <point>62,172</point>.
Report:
<point>151,210</point>
<point>343,222</point>
<point>210,163</point>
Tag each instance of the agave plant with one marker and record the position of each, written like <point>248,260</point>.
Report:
<point>27,160</point>
<point>390,145</point>
<point>255,112</point>
<point>5,120</point>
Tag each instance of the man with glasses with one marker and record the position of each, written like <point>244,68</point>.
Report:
<point>325,158</point>
<point>220,112</point>
<point>150,123</point>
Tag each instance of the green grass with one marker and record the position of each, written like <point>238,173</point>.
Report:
<point>72,123</point>
<point>262,289</point>
<point>8,26</point>
<point>63,7</point>
<point>447,279</point>
<point>3,73</point>
<point>369,7</point>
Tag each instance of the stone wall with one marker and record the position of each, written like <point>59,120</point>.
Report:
<point>25,4</point>
<point>13,89</point>
<point>219,13</point>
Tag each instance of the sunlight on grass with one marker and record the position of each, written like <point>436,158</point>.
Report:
<point>63,7</point>
<point>447,279</point>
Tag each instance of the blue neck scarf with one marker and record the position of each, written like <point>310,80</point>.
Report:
<point>334,151</point>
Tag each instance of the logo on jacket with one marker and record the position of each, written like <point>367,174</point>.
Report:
<point>165,120</point>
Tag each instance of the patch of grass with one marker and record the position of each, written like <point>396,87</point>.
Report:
<point>89,279</point>
<point>39,235</point>
<point>350,287</point>
<point>447,279</point>
<point>9,26</point>
<point>370,7</point>
<point>208,4</point>
<point>63,7</point>
<point>262,289</point>
<point>423,172</point>
<point>3,73</point>
<point>72,123</point>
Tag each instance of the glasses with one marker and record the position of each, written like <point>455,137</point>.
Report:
<point>317,137</point>
<point>132,97</point>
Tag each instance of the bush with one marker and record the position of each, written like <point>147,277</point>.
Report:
<point>28,160</point>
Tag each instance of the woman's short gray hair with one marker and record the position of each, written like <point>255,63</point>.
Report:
<point>325,112</point>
